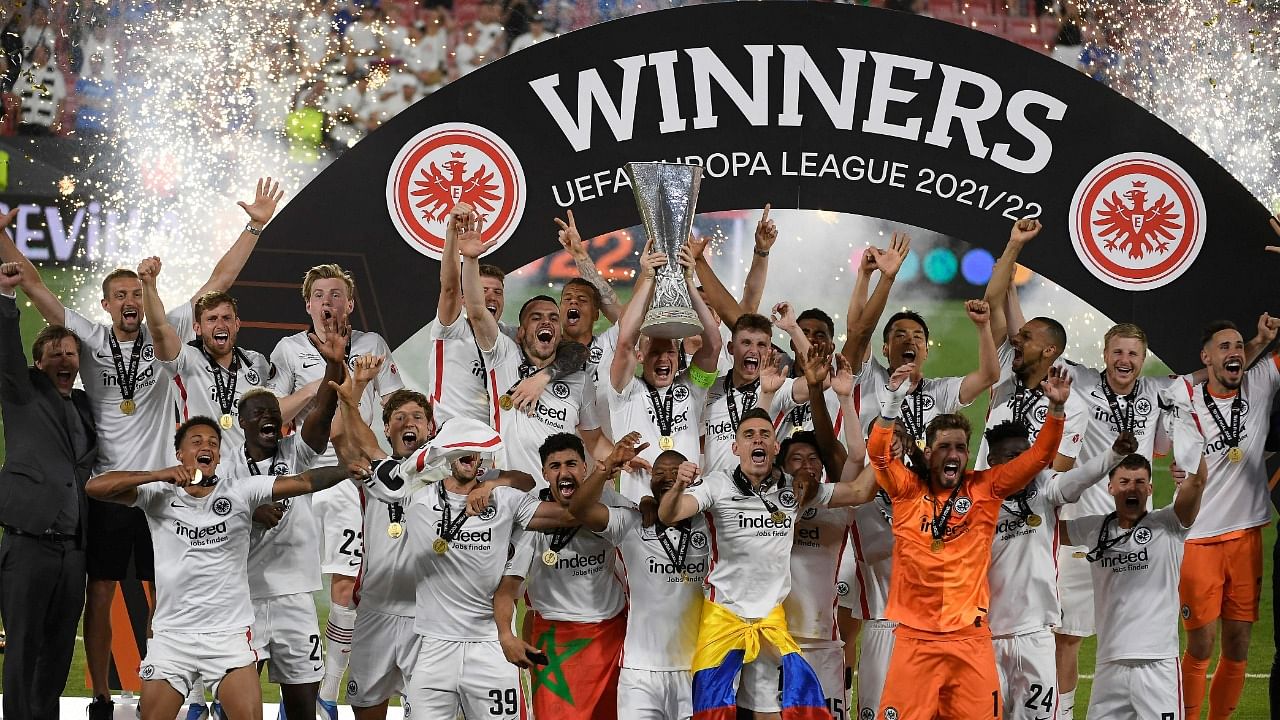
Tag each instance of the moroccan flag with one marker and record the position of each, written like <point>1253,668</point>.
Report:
<point>726,642</point>
<point>580,679</point>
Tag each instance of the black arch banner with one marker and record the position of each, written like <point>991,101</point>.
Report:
<point>816,106</point>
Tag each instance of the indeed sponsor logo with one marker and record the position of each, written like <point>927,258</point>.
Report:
<point>465,536</point>
<point>1110,561</point>
<point>181,529</point>
<point>720,428</point>
<point>581,561</point>
<point>544,411</point>
<point>668,568</point>
<point>758,522</point>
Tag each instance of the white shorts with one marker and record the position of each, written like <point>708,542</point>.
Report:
<point>337,512</point>
<point>758,681</point>
<point>655,694</point>
<point>826,657</point>
<point>473,675</point>
<point>183,658</point>
<point>1028,674</point>
<point>1136,690</point>
<point>848,582</point>
<point>384,650</point>
<point>873,664</point>
<point>286,632</point>
<point>1075,589</point>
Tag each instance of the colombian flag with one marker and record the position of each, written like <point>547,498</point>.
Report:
<point>726,642</point>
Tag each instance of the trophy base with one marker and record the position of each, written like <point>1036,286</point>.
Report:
<point>671,323</point>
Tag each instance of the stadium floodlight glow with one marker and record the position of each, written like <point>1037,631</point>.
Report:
<point>940,266</point>
<point>976,266</point>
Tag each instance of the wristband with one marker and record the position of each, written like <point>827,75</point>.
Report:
<point>762,253</point>
<point>891,406</point>
<point>249,228</point>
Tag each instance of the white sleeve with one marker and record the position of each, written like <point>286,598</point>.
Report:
<point>1168,519</point>
<point>388,380</point>
<point>704,493</point>
<point>588,413</point>
<point>784,400</point>
<point>524,505</point>
<point>1083,531</point>
<point>504,348</point>
<point>1177,407</point>
<point>183,362</point>
<point>621,521</point>
<point>147,494</point>
<point>280,380</point>
<point>521,561</point>
<point>1067,487</point>
<point>182,318</point>
<point>78,324</point>
<point>946,393</point>
<point>257,490</point>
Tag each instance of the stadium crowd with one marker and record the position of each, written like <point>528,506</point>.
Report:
<point>697,527</point>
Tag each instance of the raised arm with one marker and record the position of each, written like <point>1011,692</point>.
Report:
<point>310,481</point>
<point>450,304</point>
<point>319,423</point>
<point>266,196</point>
<point>714,291</point>
<point>988,371</point>
<point>757,274</point>
<point>707,357</point>
<point>472,246</point>
<point>353,439</point>
<point>121,486</point>
<point>1186,504</point>
<point>784,318</point>
<point>571,241</point>
<point>47,304</point>
<point>623,366</point>
<point>862,326</point>
<point>15,381</point>
<point>1010,477</point>
<point>166,339</point>
<point>675,504</point>
<point>817,366</point>
<point>585,505</point>
<point>855,444</point>
<point>1267,328</point>
<point>998,287</point>
<point>1070,485</point>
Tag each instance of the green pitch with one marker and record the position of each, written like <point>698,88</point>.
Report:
<point>954,353</point>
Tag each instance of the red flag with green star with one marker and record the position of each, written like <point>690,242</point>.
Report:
<point>580,679</point>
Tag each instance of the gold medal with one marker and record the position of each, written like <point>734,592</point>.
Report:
<point>128,406</point>
<point>441,546</point>
<point>778,517</point>
<point>666,442</point>
<point>197,477</point>
<point>395,530</point>
<point>225,421</point>
<point>1078,554</point>
<point>505,403</point>
<point>920,443</point>
<point>1235,455</point>
<point>1034,520</point>
<point>550,558</point>
<point>936,545</point>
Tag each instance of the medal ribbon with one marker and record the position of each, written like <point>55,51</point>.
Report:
<point>938,527</point>
<point>676,556</point>
<point>663,409</point>
<point>527,369</point>
<point>225,390</point>
<point>128,381</point>
<point>744,486</point>
<point>913,417</point>
<point>560,537</point>
<point>1123,422</point>
<point>1023,400</point>
<point>1023,510</point>
<point>253,464</point>
<point>395,514</point>
<point>748,398</point>
<point>1232,436</point>
<point>448,526</point>
<point>1105,544</point>
<point>799,415</point>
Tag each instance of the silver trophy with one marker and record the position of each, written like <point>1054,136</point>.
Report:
<point>665,196</point>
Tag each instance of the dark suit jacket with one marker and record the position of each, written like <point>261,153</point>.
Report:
<point>39,457</point>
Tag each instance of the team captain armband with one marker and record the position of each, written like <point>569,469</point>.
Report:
<point>702,378</point>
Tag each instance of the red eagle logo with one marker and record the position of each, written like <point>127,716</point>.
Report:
<point>1137,228</point>
<point>440,191</point>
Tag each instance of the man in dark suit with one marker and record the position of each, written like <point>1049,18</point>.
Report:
<point>50,450</point>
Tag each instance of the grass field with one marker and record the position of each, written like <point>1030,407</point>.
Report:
<point>952,331</point>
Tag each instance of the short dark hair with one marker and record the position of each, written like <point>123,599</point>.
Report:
<point>946,421</point>
<point>804,437</point>
<point>402,396</point>
<point>561,441</point>
<point>819,315</point>
<point>670,455</point>
<point>1214,328</point>
<point>534,299</point>
<point>592,290</point>
<point>493,271</point>
<point>195,421</point>
<point>1057,333</point>
<point>755,413</point>
<point>116,275</point>
<point>1007,430</point>
<point>752,321</point>
<point>48,334</point>
<point>911,315</point>
<point>1132,461</point>
<point>213,299</point>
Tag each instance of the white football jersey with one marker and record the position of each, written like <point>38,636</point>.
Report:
<point>599,360</point>
<point>1009,397</point>
<point>455,588</point>
<point>1024,572</point>
<point>386,583</point>
<point>198,390</point>
<point>297,363</point>
<point>1135,585</point>
<point>937,396</point>
<point>1236,496</point>
<point>800,417</point>
<point>718,429</point>
<point>285,559</point>
<point>461,384</point>
<point>871,538</point>
<point>202,551</point>
<point>815,563</point>
<point>1100,429</point>
<point>144,439</point>
<point>751,553</point>
<point>580,587</point>
<point>565,405</point>
<point>632,410</point>
<point>665,596</point>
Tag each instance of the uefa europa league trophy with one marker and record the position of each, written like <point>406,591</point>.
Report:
<point>665,196</point>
